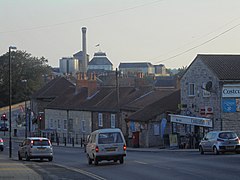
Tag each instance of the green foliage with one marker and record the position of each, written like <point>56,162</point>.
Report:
<point>27,76</point>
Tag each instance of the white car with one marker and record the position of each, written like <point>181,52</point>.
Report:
<point>35,147</point>
<point>1,144</point>
<point>220,141</point>
<point>106,144</point>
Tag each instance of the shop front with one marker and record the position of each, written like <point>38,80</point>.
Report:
<point>189,130</point>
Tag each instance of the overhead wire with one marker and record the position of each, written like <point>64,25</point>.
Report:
<point>199,45</point>
<point>82,19</point>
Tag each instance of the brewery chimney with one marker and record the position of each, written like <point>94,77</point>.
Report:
<point>84,49</point>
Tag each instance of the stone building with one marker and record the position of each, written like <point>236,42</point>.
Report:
<point>210,94</point>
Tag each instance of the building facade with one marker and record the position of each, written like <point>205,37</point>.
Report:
<point>209,89</point>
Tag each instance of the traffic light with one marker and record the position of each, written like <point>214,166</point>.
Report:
<point>4,117</point>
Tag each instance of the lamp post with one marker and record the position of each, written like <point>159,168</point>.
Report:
<point>26,111</point>
<point>10,101</point>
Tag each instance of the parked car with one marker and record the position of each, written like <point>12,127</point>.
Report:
<point>220,141</point>
<point>1,144</point>
<point>106,144</point>
<point>35,147</point>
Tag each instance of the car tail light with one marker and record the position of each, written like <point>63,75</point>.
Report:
<point>220,140</point>
<point>31,143</point>
<point>97,149</point>
<point>124,147</point>
<point>1,140</point>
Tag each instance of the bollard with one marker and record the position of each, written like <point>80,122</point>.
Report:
<point>65,141</point>
<point>58,141</point>
<point>73,142</point>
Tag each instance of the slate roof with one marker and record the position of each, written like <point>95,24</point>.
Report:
<point>54,88</point>
<point>226,67</point>
<point>135,65</point>
<point>148,98</point>
<point>166,103</point>
<point>100,59</point>
<point>165,81</point>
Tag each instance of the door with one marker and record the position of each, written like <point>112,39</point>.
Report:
<point>136,139</point>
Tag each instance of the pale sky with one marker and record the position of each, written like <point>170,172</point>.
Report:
<point>169,32</point>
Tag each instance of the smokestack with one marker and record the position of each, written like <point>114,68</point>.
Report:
<point>84,49</point>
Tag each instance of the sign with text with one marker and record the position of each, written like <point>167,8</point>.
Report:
<point>231,90</point>
<point>197,121</point>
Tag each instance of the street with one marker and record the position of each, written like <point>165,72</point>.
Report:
<point>71,163</point>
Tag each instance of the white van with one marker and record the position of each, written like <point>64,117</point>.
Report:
<point>106,144</point>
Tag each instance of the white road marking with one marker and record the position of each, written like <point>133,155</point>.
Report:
<point>94,176</point>
<point>140,162</point>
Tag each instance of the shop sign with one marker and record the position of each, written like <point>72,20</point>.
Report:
<point>231,90</point>
<point>196,121</point>
<point>229,105</point>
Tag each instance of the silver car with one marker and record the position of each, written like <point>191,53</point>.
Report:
<point>35,147</point>
<point>220,141</point>
<point>1,144</point>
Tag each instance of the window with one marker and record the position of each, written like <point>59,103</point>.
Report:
<point>205,92</point>
<point>65,124</point>
<point>108,138</point>
<point>59,124</point>
<point>191,89</point>
<point>156,129</point>
<point>83,126</point>
<point>51,123</point>
<point>113,120</point>
<point>100,120</point>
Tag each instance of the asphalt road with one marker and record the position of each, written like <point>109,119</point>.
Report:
<point>71,163</point>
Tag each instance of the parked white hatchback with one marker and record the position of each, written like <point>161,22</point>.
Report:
<point>106,144</point>
<point>35,147</point>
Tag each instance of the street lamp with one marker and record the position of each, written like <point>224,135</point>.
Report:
<point>10,101</point>
<point>26,111</point>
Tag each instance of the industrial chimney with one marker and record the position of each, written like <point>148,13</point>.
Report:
<point>84,49</point>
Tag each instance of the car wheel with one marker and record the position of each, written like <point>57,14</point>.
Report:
<point>1,149</point>
<point>50,159</point>
<point>95,161</point>
<point>89,160</point>
<point>201,150</point>
<point>121,160</point>
<point>19,157</point>
<point>27,157</point>
<point>215,150</point>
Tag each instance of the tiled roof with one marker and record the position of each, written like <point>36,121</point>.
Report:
<point>135,65</point>
<point>166,103</point>
<point>148,98</point>
<point>226,67</point>
<point>100,61</point>
<point>53,88</point>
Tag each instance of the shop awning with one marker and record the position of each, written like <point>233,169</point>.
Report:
<point>196,121</point>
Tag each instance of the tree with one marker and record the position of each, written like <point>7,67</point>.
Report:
<point>24,67</point>
<point>181,71</point>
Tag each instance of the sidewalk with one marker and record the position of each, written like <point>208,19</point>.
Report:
<point>12,169</point>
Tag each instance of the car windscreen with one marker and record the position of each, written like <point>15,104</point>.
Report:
<point>41,142</point>
<point>227,135</point>
<point>108,138</point>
